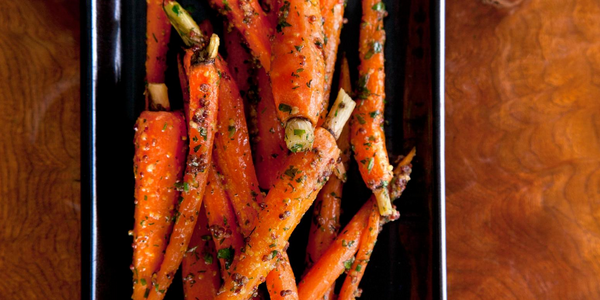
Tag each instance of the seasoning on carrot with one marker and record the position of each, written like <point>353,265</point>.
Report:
<point>286,202</point>
<point>160,150</point>
<point>271,151</point>
<point>281,282</point>
<point>158,32</point>
<point>366,126</point>
<point>201,117</point>
<point>297,70</point>
<point>248,17</point>
<point>199,269</point>
<point>328,268</point>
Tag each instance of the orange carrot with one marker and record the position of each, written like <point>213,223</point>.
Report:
<point>222,222</point>
<point>286,202</point>
<point>201,117</point>
<point>333,14</point>
<point>281,282</point>
<point>233,156</point>
<point>297,70</point>
<point>366,125</point>
<point>200,271</point>
<point>248,17</point>
<point>160,149</point>
<point>158,32</point>
<point>365,248</point>
<point>270,8</point>
<point>271,151</point>
<point>336,259</point>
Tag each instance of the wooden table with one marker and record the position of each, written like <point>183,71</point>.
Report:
<point>523,150</point>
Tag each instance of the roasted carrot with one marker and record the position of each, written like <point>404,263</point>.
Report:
<point>248,17</point>
<point>158,32</point>
<point>233,156</point>
<point>291,196</point>
<point>365,248</point>
<point>326,270</point>
<point>271,151</point>
<point>160,150</point>
<point>366,126</point>
<point>200,270</point>
<point>201,117</point>
<point>297,71</point>
<point>333,16</point>
<point>270,8</point>
<point>336,259</point>
<point>222,221</point>
<point>281,282</point>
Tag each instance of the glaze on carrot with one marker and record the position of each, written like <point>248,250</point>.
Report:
<point>366,125</point>
<point>271,151</point>
<point>281,282</point>
<point>201,117</point>
<point>286,202</point>
<point>160,149</point>
<point>297,70</point>
<point>222,222</point>
<point>232,155</point>
<point>158,32</point>
<point>199,269</point>
<point>248,17</point>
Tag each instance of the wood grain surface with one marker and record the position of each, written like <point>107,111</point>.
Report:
<point>39,150</point>
<point>523,150</point>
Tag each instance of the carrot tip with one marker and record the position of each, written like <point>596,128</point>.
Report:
<point>299,134</point>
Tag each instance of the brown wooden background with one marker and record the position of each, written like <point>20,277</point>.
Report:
<point>523,150</point>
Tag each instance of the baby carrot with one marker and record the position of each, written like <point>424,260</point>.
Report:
<point>232,155</point>
<point>248,17</point>
<point>201,117</point>
<point>366,125</point>
<point>297,71</point>
<point>222,222</point>
<point>160,149</point>
<point>199,269</point>
<point>158,32</point>
<point>281,282</point>
<point>271,151</point>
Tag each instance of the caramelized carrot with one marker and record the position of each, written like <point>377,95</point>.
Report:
<point>281,282</point>
<point>233,156</point>
<point>239,60</point>
<point>336,259</point>
<point>248,17</point>
<point>200,270</point>
<point>222,222</point>
<point>366,125</point>
<point>160,149</point>
<point>201,117</point>
<point>158,32</point>
<point>365,248</point>
<point>286,202</point>
<point>333,14</point>
<point>297,71</point>
<point>270,8</point>
<point>271,151</point>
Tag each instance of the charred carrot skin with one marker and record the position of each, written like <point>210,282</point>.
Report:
<point>158,32</point>
<point>350,289</point>
<point>366,125</point>
<point>248,17</point>
<point>281,282</point>
<point>233,156</point>
<point>333,262</point>
<point>160,149</point>
<point>298,67</point>
<point>271,150</point>
<point>222,222</point>
<point>200,270</point>
<point>333,14</point>
<point>286,202</point>
<point>201,117</point>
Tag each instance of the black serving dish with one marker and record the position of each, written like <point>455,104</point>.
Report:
<point>409,259</point>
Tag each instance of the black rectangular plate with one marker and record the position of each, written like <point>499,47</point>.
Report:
<point>409,259</point>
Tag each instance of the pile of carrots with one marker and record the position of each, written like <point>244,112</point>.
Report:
<point>221,186</point>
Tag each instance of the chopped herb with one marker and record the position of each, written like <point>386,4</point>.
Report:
<point>291,172</point>
<point>380,6</point>
<point>299,48</point>
<point>348,264</point>
<point>176,9</point>
<point>283,14</point>
<point>299,70</point>
<point>186,187</point>
<point>363,91</point>
<point>284,107</point>
<point>296,148</point>
<point>208,258</point>
<point>203,133</point>
<point>231,129</point>
<point>165,127</point>
<point>154,36</point>
<point>197,148</point>
<point>308,84</point>
<point>373,114</point>
<point>272,245</point>
<point>143,281</point>
<point>225,253</point>
<point>226,6</point>
<point>274,254</point>
<point>358,268</point>
<point>376,47</point>
<point>299,132</point>
<point>360,119</point>
<point>371,163</point>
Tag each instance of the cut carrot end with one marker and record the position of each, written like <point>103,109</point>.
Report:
<point>339,114</point>
<point>299,135</point>
<point>383,201</point>
<point>158,97</point>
